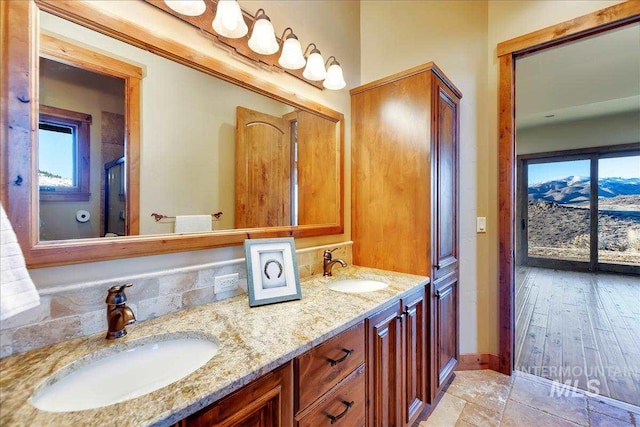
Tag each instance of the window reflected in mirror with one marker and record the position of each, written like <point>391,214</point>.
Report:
<point>80,129</point>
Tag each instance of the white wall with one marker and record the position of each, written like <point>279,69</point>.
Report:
<point>593,132</point>
<point>333,26</point>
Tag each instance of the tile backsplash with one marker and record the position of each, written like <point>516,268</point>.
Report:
<point>67,314</point>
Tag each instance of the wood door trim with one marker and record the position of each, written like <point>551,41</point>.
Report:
<point>584,26</point>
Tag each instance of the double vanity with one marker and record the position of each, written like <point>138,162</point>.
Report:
<point>304,361</point>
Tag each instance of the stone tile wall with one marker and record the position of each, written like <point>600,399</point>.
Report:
<point>70,314</point>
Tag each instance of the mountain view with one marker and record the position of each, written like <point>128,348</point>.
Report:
<point>558,214</point>
<point>48,179</point>
<point>575,189</point>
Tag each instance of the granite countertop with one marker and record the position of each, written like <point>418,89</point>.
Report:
<point>253,341</point>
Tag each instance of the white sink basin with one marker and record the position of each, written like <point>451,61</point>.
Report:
<point>356,286</point>
<point>138,369</point>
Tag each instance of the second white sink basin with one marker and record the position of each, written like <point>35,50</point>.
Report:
<point>125,375</point>
<point>356,286</point>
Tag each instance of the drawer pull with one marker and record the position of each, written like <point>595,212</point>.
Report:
<point>335,418</point>
<point>334,362</point>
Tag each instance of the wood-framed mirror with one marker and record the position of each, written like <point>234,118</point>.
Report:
<point>145,147</point>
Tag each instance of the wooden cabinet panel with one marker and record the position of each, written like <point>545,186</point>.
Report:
<point>444,240</point>
<point>391,169</point>
<point>446,309</point>
<point>414,354</point>
<point>345,405</point>
<point>327,364</point>
<point>383,337</point>
<point>266,402</point>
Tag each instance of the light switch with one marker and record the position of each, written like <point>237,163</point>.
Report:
<point>481,224</point>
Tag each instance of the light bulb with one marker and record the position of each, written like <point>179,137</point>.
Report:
<point>291,57</point>
<point>335,78</point>
<point>315,70</point>
<point>228,21</point>
<point>187,7</point>
<point>263,38</point>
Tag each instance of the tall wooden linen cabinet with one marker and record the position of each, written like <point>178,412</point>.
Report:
<point>405,137</point>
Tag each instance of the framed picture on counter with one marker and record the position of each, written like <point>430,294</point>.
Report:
<point>272,271</point>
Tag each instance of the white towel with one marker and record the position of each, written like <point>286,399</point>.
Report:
<point>193,223</point>
<point>17,291</point>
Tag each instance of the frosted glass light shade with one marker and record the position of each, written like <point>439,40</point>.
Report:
<point>291,57</point>
<point>228,21</point>
<point>263,37</point>
<point>315,70</point>
<point>187,7</point>
<point>335,78</point>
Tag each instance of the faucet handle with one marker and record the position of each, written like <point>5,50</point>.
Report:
<point>116,294</point>
<point>327,254</point>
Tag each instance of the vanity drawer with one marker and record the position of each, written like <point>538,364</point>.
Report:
<point>326,364</point>
<point>346,403</point>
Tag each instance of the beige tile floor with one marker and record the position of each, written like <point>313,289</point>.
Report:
<point>487,398</point>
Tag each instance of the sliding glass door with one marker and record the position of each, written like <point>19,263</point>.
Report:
<point>558,210</point>
<point>619,210</point>
<point>580,211</point>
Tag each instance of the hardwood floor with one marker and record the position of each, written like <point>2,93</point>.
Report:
<point>581,329</point>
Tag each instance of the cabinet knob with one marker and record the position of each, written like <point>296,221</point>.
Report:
<point>437,266</point>
<point>336,418</point>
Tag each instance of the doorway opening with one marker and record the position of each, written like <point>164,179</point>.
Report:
<point>569,335</point>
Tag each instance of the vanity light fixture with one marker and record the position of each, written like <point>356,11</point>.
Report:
<point>263,36</point>
<point>314,70</point>
<point>291,57</point>
<point>335,78</point>
<point>230,27</point>
<point>228,21</point>
<point>187,7</point>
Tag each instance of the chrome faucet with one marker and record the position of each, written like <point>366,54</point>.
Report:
<point>328,264</point>
<point>119,315</point>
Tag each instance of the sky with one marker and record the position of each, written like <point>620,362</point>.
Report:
<point>619,167</point>
<point>55,153</point>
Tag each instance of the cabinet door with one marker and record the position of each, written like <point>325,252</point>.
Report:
<point>383,373</point>
<point>445,303</point>
<point>414,356</point>
<point>444,246</point>
<point>266,402</point>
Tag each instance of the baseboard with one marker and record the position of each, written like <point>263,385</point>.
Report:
<point>477,361</point>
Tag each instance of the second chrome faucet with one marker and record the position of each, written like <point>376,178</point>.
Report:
<point>329,262</point>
